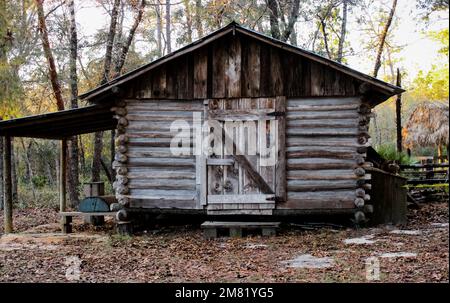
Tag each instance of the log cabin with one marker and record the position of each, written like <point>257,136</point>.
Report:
<point>311,113</point>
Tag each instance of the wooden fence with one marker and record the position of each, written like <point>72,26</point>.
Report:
<point>429,173</point>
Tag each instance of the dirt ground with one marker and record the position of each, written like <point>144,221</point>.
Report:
<point>416,252</point>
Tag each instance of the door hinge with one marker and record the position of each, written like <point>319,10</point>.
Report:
<point>276,114</point>
<point>275,199</point>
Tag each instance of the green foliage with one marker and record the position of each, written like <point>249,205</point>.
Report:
<point>46,197</point>
<point>39,181</point>
<point>389,152</point>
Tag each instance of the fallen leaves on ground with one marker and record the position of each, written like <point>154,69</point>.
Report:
<point>181,254</point>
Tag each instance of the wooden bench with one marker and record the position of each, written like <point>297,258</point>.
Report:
<point>210,228</point>
<point>97,217</point>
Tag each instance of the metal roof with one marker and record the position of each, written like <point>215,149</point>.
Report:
<point>61,124</point>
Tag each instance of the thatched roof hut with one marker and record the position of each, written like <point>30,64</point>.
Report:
<point>428,125</point>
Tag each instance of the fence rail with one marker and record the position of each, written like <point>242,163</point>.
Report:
<point>429,173</point>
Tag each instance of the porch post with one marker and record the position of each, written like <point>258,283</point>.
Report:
<point>62,175</point>
<point>8,186</point>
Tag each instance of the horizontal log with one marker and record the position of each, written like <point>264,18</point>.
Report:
<point>171,184</point>
<point>146,174</point>
<point>162,194</point>
<point>322,141</point>
<point>324,101</point>
<point>149,125</point>
<point>325,148</point>
<point>161,162</point>
<point>333,195</point>
<point>164,105</point>
<point>320,163</point>
<point>157,134</point>
<point>320,123</point>
<point>318,204</point>
<point>294,132</point>
<point>142,202</point>
<point>152,142</point>
<point>322,154</point>
<point>322,115</point>
<point>321,166</point>
<point>319,185</point>
<point>330,174</point>
<point>137,152</point>
<point>320,108</point>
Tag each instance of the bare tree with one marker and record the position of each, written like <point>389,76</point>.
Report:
<point>188,20</point>
<point>198,18</point>
<point>273,19</point>
<point>383,38</point>
<point>293,17</point>
<point>98,137</point>
<point>72,170</point>
<point>49,55</point>
<point>168,36</point>
<point>126,45</point>
<point>158,28</point>
<point>343,32</point>
<point>275,14</point>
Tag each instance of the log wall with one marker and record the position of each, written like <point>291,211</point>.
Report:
<point>326,144</point>
<point>148,174</point>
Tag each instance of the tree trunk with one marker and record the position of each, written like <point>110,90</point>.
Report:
<point>98,137</point>
<point>398,112</point>
<point>383,39</point>
<point>158,28</point>
<point>340,54</point>
<point>188,20</point>
<point>49,55</point>
<point>273,18</point>
<point>110,42</point>
<point>1,172</point>
<point>293,37</point>
<point>73,173</point>
<point>198,18</point>
<point>168,37</point>
<point>82,155</point>
<point>126,45</point>
<point>292,20</point>
<point>29,169</point>
<point>14,166</point>
<point>96,157</point>
<point>325,37</point>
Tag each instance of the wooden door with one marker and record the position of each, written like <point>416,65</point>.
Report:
<point>245,166</point>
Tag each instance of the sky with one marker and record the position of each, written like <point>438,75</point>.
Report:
<point>418,53</point>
